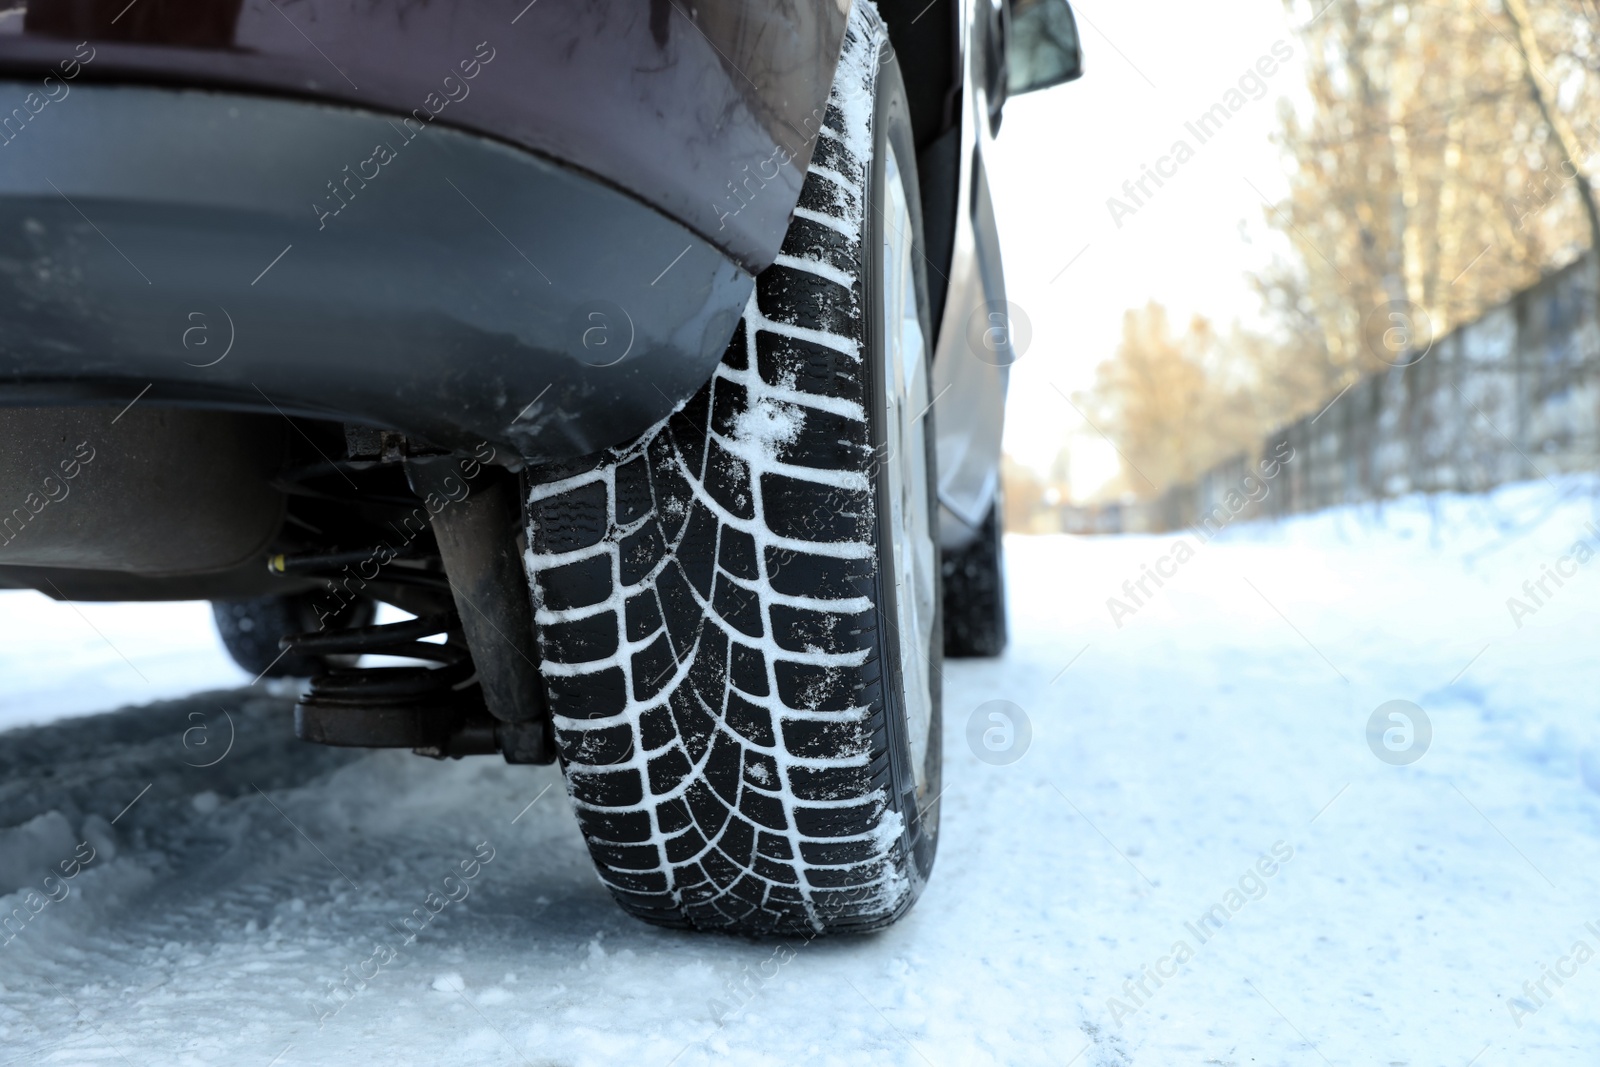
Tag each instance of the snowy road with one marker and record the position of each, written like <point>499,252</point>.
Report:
<point>1210,757</point>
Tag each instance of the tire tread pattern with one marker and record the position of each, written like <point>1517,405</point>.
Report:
<point>975,594</point>
<point>708,638</point>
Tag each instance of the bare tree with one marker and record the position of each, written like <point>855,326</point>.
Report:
<point>1541,89</point>
<point>1422,173</point>
<point>1175,404</point>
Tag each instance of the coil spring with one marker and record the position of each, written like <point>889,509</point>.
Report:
<point>394,686</point>
<point>389,687</point>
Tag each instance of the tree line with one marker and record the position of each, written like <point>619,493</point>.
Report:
<point>1442,158</point>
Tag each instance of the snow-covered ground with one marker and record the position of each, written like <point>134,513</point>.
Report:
<point>1413,914</point>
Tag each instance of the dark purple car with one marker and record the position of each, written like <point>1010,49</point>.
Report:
<point>650,355</point>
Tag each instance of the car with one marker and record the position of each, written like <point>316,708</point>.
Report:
<point>650,359</point>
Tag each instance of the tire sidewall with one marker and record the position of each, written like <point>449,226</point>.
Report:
<point>891,125</point>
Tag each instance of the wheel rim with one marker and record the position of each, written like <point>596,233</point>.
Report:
<point>910,518</point>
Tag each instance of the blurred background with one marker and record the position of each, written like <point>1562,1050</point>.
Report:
<point>1391,206</point>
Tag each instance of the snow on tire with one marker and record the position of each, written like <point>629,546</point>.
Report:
<point>715,601</point>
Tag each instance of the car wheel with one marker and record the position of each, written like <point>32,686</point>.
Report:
<point>738,614</point>
<point>251,630</point>
<point>975,594</point>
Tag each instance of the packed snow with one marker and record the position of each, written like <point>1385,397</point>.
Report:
<point>1197,849</point>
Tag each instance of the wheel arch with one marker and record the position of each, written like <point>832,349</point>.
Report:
<point>927,42</point>
<point>951,59</point>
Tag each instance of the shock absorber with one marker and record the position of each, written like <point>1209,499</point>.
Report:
<point>477,539</point>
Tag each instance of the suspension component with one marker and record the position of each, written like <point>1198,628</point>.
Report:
<point>456,565</point>
<point>477,536</point>
<point>437,710</point>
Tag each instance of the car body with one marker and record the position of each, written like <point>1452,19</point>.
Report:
<point>232,207</point>
<point>310,305</point>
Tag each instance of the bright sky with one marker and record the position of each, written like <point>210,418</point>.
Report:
<point>1150,68</point>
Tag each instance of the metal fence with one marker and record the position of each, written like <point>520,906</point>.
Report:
<point>1511,396</point>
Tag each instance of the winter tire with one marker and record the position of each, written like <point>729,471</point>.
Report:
<point>975,594</point>
<point>738,613</point>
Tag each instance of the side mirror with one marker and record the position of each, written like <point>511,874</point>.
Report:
<point>1043,48</point>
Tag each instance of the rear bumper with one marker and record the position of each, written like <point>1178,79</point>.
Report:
<point>681,104</point>
<point>277,255</point>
